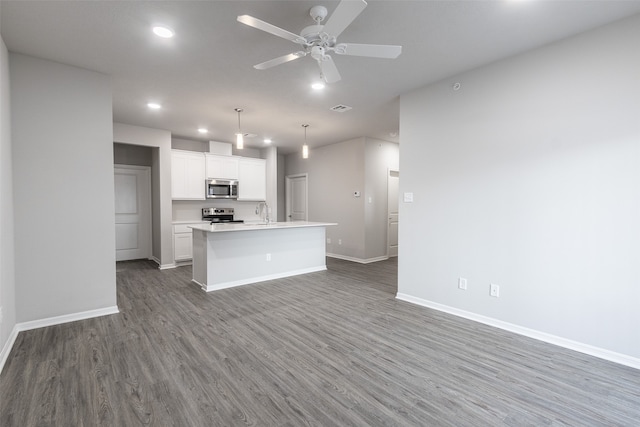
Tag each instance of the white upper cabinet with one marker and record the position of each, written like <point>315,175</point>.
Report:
<point>252,179</point>
<point>187,175</point>
<point>224,167</point>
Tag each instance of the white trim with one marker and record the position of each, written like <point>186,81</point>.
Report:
<point>389,172</point>
<point>132,167</point>
<point>287,195</point>
<point>358,260</point>
<point>50,321</point>
<point>598,352</point>
<point>145,206</point>
<point>4,355</point>
<point>241,282</point>
<point>66,318</point>
<point>162,266</point>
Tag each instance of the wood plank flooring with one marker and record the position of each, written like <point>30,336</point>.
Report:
<point>330,348</point>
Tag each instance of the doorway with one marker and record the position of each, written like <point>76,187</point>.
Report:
<point>132,212</point>
<point>296,189</point>
<point>393,184</point>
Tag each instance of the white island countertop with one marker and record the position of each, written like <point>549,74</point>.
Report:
<point>234,254</point>
<point>252,226</point>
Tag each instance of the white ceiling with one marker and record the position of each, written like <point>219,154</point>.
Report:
<point>206,70</point>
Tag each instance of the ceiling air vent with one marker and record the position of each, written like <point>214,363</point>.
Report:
<point>340,108</point>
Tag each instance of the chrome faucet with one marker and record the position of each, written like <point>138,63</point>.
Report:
<point>263,207</point>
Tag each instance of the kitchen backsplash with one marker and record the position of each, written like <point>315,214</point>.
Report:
<point>191,210</point>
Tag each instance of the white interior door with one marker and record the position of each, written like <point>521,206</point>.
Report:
<point>296,197</point>
<point>133,212</point>
<point>393,183</point>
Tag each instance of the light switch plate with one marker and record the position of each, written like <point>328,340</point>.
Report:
<point>408,197</point>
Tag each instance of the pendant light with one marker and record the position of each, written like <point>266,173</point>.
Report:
<point>239,136</point>
<point>305,147</point>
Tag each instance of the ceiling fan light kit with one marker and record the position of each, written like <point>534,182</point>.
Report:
<point>319,40</point>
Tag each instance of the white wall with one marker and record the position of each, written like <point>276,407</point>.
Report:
<point>528,177</point>
<point>160,142</point>
<point>337,171</point>
<point>380,156</point>
<point>7,270</point>
<point>135,155</point>
<point>63,189</point>
<point>334,173</point>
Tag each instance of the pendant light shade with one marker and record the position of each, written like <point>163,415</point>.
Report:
<point>239,136</point>
<point>305,147</point>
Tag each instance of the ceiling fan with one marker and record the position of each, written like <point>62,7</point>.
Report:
<point>318,40</point>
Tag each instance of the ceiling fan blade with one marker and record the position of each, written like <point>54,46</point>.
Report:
<point>343,15</point>
<point>269,28</point>
<point>329,70</point>
<point>372,50</point>
<point>279,60</point>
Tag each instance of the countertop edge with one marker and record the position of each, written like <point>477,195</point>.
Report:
<point>223,228</point>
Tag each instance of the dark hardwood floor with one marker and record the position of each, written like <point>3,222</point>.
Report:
<point>331,348</point>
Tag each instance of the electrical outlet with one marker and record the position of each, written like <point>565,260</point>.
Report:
<point>462,283</point>
<point>328,240</point>
<point>494,290</point>
<point>339,241</point>
<point>268,257</point>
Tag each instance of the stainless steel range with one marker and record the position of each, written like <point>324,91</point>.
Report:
<point>218,215</point>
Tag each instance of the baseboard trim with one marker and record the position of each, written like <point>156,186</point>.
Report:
<point>58,320</point>
<point>590,350</point>
<point>183,263</point>
<point>225,285</point>
<point>162,266</point>
<point>4,355</point>
<point>50,321</point>
<point>358,260</point>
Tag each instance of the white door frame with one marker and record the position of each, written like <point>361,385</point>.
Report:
<point>389,173</point>
<point>287,180</point>
<point>146,199</point>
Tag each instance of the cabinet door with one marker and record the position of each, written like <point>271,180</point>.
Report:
<point>182,246</point>
<point>187,175</point>
<point>252,179</point>
<point>225,167</point>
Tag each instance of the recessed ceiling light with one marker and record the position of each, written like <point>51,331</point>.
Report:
<point>154,105</point>
<point>164,32</point>
<point>203,130</point>
<point>267,140</point>
<point>317,86</point>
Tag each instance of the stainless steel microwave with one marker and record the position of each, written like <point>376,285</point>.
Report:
<point>221,189</point>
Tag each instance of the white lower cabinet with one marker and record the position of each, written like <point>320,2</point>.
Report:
<point>183,242</point>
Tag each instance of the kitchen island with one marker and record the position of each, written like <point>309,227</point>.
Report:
<point>234,254</point>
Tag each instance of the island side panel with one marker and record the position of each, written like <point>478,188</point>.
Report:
<point>199,263</point>
<point>239,258</point>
